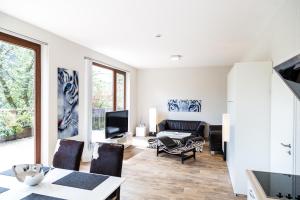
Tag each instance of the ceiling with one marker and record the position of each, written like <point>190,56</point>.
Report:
<point>204,32</point>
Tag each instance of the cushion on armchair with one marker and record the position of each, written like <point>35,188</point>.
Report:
<point>168,142</point>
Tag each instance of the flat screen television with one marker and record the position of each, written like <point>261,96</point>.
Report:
<point>116,123</point>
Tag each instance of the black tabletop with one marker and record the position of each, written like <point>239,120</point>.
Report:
<point>276,185</point>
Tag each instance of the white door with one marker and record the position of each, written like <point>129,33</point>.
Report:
<point>19,97</point>
<point>282,126</point>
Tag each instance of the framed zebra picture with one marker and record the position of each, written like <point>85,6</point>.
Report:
<point>67,103</point>
<point>180,105</point>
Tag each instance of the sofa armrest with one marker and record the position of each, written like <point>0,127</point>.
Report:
<point>162,126</point>
<point>200,130</point>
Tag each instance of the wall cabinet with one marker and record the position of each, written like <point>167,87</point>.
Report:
<point>248,103</point>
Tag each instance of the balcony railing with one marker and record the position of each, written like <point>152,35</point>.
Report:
<point>15,124</point>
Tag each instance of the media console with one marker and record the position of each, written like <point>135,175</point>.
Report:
<point>123,139</point>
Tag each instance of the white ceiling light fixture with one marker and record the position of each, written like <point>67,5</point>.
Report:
<point>176,57</point>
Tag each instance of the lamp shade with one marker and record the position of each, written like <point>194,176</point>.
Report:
<point>226,127</point>
<point>152,120</point>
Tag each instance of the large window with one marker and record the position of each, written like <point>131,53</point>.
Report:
<point>20,139</point>
<point>108,94</point>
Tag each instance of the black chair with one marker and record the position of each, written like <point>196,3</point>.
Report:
<point>68,155</point>
<point>109,162</point>
<point>171,147</point>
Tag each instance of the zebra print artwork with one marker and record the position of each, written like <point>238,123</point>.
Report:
<point>179,105</point>
<point>67,103</point>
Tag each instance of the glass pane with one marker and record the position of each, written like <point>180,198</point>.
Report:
<point>16,105</point>
<point>102,98</point>
<point>120,91</point>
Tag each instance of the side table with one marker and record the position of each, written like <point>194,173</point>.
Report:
<point>140,131</point>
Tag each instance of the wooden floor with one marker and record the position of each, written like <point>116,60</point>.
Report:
<point>164,178</point>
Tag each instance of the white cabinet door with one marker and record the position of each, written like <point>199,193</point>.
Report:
<point>282,126</point>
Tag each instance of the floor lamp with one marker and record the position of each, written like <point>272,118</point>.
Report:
<point>152,121</point>
<point>225,133</point>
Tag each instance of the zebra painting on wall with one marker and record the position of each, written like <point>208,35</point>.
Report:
<point>179,105</point>
<point>67,103</point>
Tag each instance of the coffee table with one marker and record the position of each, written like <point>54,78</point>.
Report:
<point>180,138</point>
<point>174,135</point>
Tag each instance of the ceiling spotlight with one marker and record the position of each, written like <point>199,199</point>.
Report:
<point>158,35</point>
<point>175,57</point>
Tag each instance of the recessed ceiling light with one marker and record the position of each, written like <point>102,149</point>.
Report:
<point>158,35</point>
<point>175,57</point>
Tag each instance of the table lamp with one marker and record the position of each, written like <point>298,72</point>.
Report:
<point>152,121</point>
<point>225,133</point>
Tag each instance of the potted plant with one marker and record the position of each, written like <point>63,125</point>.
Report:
<point>6,134</point>
<point>24,121</point>
<point>10,127</point>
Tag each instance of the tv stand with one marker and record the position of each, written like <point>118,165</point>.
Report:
<point>117,136</point>
<point>119,139</point>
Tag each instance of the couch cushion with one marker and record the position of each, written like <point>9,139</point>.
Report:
<point>183,125</point>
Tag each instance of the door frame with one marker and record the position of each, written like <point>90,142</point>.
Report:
<point>37,85</point>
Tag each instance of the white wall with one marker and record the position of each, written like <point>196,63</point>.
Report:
<point>156,86</point>
<point>63,53</point>
<point>283,37</point>
<point>284,32</point>
<point>285,43</point>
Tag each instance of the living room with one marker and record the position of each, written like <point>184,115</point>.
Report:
<point>205,93</point>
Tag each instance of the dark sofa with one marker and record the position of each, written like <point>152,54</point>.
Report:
<point>194,127</point>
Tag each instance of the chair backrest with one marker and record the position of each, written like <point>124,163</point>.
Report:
<point>168,142</point>
<point>68,155</point>
<point>109,160</point>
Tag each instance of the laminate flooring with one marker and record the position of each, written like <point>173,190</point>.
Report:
<point>149,177</point>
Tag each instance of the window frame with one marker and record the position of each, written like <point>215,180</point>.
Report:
<point>37,86</point>
<point>115,72</point>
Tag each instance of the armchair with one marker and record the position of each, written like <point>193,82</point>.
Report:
<point>215,138</point>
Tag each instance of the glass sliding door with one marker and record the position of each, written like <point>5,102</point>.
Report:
<point>19,101</point>
<point>108,94</point>
<point>102,99</point>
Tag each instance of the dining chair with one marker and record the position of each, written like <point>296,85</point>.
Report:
<point>68,154</point>
<point>109,161</point>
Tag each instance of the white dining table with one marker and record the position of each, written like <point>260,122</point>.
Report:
<point>18,190</point>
